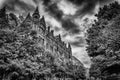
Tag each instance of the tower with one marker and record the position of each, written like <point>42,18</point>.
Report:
<point>69,50</point>
<point>26,25</point>
<point>36,15</point>
<point>28,20</point>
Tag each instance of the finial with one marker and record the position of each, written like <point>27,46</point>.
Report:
<point>69,46</point>
<point>43,21</point>
<point>52,32</point>
<point>59,37</point>
<point>36,10</point>
<point>48,28</point>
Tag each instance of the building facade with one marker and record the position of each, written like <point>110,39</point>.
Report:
<point>33,27</point>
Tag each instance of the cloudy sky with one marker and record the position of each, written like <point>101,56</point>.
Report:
<point>70,18</point>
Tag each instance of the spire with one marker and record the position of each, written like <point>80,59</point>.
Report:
<point>43,20</point>
<point>70,50</point>
<point>69,46</point>
<point>36,13</point>
<point>28,16</point>
<point>27,19</point>
<point>36,10</point>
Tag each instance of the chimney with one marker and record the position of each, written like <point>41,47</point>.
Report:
<point>52,32</point>
<point>48,28</point>
<point>59,37</point>
<point>70,50</point>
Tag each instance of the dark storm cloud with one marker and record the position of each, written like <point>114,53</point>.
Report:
<point>13,4</point>
<point>70,26</point>
<point>53,10</point>
<point>88,8</point>
<point>79,43</point>
<point>88,5</point>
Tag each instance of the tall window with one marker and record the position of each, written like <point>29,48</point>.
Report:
<point>51,48</point>
<point>42,41</point>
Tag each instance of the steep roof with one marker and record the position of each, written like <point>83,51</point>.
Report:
<point>36,12</point>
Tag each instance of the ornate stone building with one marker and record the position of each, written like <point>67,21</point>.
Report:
<point>33,27</point>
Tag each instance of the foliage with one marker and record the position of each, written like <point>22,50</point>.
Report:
<point>103,37</point>
<point>22,58</point>
<point>109,11</point>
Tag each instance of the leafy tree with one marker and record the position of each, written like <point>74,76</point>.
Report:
<point>103,39</point>
<point>109,11</point>
<point>103,36</point>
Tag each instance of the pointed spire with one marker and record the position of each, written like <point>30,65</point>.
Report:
<point>43,20</point>
<point>69,46</point>
<point>70,50</point>
<point>36,10</point>
<point>36,13</point>
<point>28,16</point>
<point>27,19</point>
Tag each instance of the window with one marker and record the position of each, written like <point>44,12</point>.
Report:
<point>51,48</point>
<point>42,41</point>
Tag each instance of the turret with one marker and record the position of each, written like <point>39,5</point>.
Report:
<point>28,17</point>
<point>36,15</point>
<point>59,37</point>
<point>28,20</point>
<point>52,33</point>
<point>70,50</point>
<point>42,23</point>
<point>48,29</point>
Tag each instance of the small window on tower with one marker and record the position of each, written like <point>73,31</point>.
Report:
<point>36,16</point>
